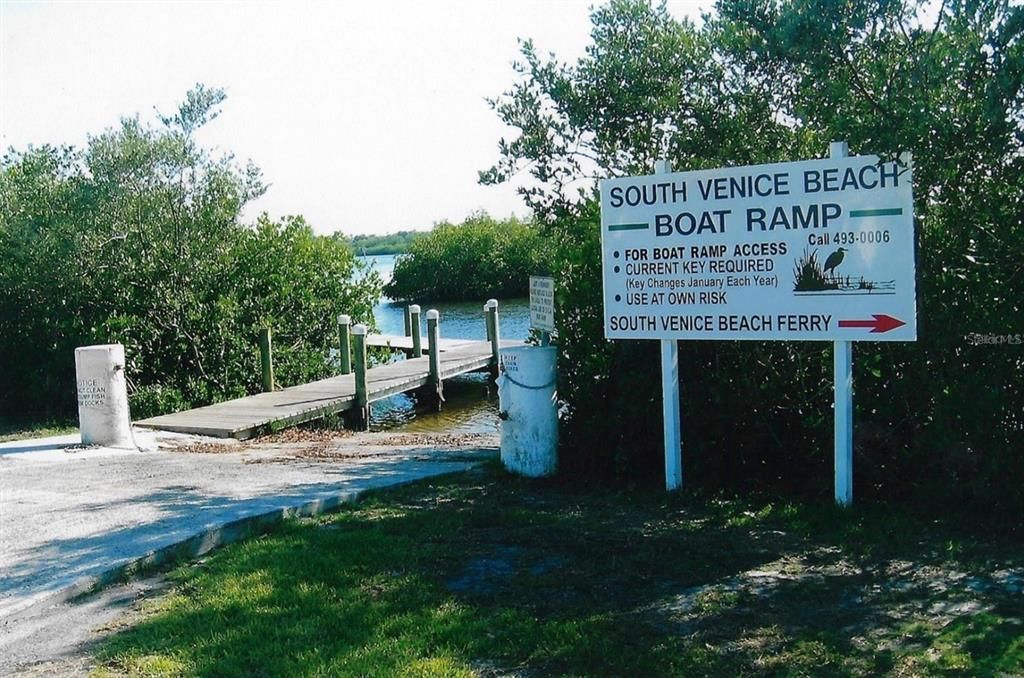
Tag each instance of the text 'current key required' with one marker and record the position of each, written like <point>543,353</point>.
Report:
<point>810,250</point>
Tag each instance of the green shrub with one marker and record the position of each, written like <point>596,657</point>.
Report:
<point>477,259</point>
<point>154,399</point>
<point>137,239</point>
<point>941,419</point>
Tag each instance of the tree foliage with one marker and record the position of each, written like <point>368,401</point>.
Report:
<point>477,259</point>
<point>137,239</point>
<point>777,80</point>
<point>398,242</point>
<point>649,87</point>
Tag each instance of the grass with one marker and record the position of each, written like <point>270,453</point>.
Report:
<point>483,574</point>
<point>21,430</point>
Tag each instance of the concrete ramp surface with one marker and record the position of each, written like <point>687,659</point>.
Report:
<point>69,517</point>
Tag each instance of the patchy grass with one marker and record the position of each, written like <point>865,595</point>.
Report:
<point>486,575</point>
<point>21,430</point>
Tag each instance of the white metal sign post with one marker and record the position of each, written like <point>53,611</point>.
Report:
<point>670,413</point>
<point>842,388</point>
<point>816,250</point>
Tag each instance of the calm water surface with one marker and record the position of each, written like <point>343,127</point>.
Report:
<point>471,403</point>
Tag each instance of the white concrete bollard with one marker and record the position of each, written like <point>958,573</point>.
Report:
<point>529,410</point>
<point>103,415</point>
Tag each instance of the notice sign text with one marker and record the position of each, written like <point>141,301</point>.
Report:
<point>542,303</point>
<point>811,250</point>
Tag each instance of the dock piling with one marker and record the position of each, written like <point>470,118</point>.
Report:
<point>266,360</point>
<point>414,323</point>
<point>408,321</point>
<point>344,343</point>
<point>487,320</point>
<point>493,333</point>
<point>436,386</point>
<point>359,416</point>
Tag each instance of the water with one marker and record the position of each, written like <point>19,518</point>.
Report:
<point>471,403</point>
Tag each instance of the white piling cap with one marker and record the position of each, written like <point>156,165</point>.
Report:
<point>101,348</point>
<point>491,303</point>
<point>414,308</point>
<point>359,329</point>
<point>432,314</point>
<point>344,320</point>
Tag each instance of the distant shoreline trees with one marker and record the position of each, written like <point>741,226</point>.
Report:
<point>398,242</point>
<point>475,260</point>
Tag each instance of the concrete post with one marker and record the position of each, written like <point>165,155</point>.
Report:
<point>103,415</point>
<point>434,347</point>
<point>360,416</point>
<point>414,324</point>
<point>266,360</point>
<point>493,333</point>
<point>344,343</point>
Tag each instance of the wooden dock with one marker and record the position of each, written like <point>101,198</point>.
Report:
<point>253,415</point>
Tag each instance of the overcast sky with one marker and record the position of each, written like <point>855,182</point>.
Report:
<point>366,117</point>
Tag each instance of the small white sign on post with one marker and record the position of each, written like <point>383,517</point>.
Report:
<point>542,303</point>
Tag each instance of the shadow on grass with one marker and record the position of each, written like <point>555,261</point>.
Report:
<point>489,575</point>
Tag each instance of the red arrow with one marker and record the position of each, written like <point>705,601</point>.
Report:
<point>881,323</point>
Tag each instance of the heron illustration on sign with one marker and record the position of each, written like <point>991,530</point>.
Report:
<point>811,276</point>
<point>833,260</point>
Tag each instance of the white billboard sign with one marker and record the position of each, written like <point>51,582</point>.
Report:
<point>810,250</point>
<point>542,303</point>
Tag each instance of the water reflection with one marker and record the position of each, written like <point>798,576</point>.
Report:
<point>471,403</point>
<point>471,406</point>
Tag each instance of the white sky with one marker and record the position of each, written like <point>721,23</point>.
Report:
<point>365,116</point>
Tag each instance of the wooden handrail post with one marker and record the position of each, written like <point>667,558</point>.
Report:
<point>344,343</point>
<point>434,347</point>
<point>414,324</point>
<point>266,360</point>
<point>361,413</point>
<point>408,320</point>
<point>493,333</point>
